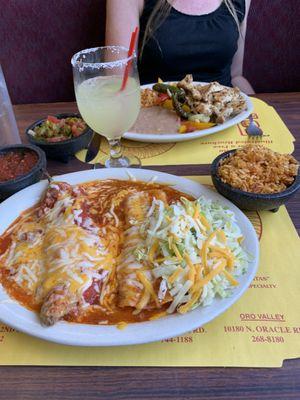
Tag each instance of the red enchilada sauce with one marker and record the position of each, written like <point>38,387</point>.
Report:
<point>5,242</point>
<point>16,163</point>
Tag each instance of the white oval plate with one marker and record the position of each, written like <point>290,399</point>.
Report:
<point>182,137</point>
<point>13,314</point>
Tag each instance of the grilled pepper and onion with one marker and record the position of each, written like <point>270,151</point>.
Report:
<point>174,98</point>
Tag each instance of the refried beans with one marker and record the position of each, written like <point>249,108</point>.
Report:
<point>156,120</point>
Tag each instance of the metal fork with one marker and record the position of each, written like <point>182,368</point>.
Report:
<point>48,176</point>
<point>253,129</point>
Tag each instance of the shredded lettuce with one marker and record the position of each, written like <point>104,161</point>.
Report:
<point>178,233</point>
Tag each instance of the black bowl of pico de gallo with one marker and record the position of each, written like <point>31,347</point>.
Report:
<point>20,166</point>
<point>60,135</point>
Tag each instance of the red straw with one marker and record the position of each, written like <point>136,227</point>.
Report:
<point>130,52</point>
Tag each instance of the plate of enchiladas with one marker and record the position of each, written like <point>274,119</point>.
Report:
<point>120,257</point>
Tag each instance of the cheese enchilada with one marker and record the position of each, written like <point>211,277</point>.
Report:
<point>112,251</point>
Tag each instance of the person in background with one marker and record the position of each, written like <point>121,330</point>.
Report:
<point>204,38</point>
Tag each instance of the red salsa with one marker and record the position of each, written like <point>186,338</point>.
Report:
<point>16,163</point>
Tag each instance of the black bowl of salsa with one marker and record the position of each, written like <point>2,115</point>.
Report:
<point>59,137</point>
<point>20,166</point>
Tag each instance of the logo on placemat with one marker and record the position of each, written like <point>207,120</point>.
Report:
<point>244,124</point>
<point>139,149</point>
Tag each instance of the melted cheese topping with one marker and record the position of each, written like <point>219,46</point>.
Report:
<point>54,250</point>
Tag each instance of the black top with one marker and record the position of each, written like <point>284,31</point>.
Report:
<point>202,45</point>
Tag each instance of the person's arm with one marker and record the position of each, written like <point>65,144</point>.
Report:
<point>238,59</point>
<point>121,19</point>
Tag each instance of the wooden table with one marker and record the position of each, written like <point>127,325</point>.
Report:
<point>30,383</point>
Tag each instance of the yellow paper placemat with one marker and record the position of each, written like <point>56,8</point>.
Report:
<point>261,330</point>
<point>204,150</point>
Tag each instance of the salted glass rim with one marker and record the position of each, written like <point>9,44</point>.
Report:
<point>108,64</point>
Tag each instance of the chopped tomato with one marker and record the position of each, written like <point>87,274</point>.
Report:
<point>53,119</point>
<point>76,130</point>
<point>162,97</point>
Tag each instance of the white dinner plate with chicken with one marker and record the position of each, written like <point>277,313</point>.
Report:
<point>200,109</point>
<point>119,256</point>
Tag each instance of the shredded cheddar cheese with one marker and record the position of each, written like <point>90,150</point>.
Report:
<point>148,286</point>
<point>219,267</point>
<point>153,250</point>
<point>231,279</point>
<point>204,222</point>
<point>176,251</point>
<point>175,275</point>
<point>122,325</point>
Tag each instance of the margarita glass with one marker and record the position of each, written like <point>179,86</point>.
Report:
<point>106,107</point>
